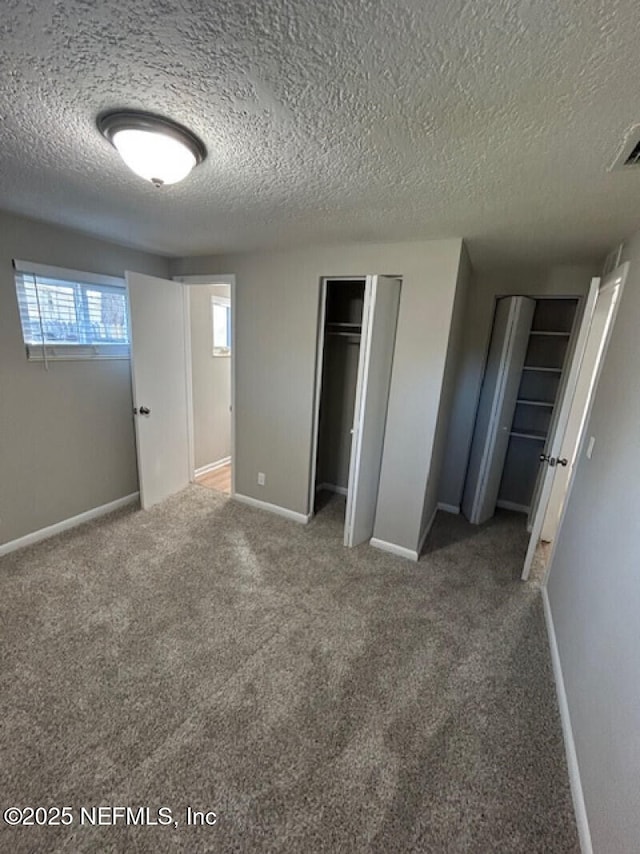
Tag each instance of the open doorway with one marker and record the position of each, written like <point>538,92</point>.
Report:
<point>209,344</point>
<point>162,379</point>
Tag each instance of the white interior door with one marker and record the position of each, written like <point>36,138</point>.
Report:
<point>379,320</point>
<point>507,351</point>
<point>158,372</point>
<point>565,395</point>
<point>584,371</point>
<point>602,314</point>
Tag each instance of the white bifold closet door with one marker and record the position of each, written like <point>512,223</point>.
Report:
<point>380,315</point>
<point>496,408</point>
<point>158,373</point>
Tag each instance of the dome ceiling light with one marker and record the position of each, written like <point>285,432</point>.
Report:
<point>157,149</point>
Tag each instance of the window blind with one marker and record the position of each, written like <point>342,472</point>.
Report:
<point>67,314</point>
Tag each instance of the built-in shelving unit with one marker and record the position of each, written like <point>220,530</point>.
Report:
<point>549,337</point>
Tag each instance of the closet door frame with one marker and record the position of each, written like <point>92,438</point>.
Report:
<point>496,405</point>
<point>585,303</point>
<point>322,314</point>
<point>580,300</point>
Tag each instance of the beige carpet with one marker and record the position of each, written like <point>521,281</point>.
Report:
<point>209,655</point>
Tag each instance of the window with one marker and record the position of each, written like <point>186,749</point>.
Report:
<point>221,318</point>
<point>67,314</point>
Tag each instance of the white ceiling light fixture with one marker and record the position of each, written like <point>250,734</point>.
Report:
<point>157,149</point>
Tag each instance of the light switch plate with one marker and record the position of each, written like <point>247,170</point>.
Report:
<point>592,442</point>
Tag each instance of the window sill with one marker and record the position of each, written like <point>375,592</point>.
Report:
<point>76,352</point>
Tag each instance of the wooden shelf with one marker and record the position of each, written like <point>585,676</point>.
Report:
<point>537,435</point>
<point>534,402</point>
<point>546,370</point>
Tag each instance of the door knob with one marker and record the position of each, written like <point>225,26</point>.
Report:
<point>561,461</point>
<point>545,458</point>
<point>144,410</point>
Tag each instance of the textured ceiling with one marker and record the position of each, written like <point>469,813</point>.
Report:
<point>330,120</point>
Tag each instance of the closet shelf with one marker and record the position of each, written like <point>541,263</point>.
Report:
<point>545,370</point>
<point>534,402</point>
<point>538,435</point>
<point>332,325</point>
<point>344,330</point>
<point>556,334</point>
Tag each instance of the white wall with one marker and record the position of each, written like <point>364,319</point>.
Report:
<point>211,381</point>
<point>66,434</point>
<point>485,288</point>
<point>594,590</point>
<point>277,303</point>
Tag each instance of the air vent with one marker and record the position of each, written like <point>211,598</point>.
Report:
<point>628,155</point>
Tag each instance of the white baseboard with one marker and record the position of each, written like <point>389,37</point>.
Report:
<point>449,508</point>
<point>212,466</point>
<point>302,518</point>
<point>401,551</point>
<point>427,528</point>
<point>52,530</point>
<point>511,505</point>
<point>331,487</point>
<point>569,744</point>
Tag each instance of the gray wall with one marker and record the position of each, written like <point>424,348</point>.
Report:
<point>211,381</point>
<point>594,590</point>
<point>478,318</point>
<point>67,442</point>
<point>449,386</point>
<point>277,304</point>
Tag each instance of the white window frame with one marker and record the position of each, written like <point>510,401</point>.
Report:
<point>49,351</point>
<point>225,302</point>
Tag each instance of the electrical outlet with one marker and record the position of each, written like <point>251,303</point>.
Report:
<point>261,478</point>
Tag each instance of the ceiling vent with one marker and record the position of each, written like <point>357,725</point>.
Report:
<point>629,152</point>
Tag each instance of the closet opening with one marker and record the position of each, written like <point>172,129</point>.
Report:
<point>344,306</point>
<point>530,348</point>
<point>356,340</point>
<point>542,380</point>
<point>542,369</point>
